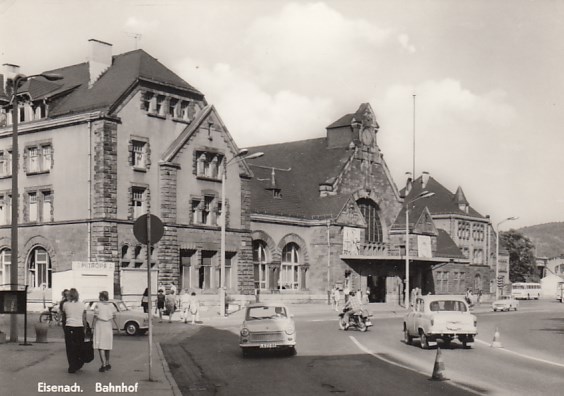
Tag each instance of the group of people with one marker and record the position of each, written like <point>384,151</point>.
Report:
<point>187,303</point>
<point>75,324</point>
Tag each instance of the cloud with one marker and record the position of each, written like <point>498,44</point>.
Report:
<point>253,115</point>
<point>404,42</point>
<point>136,24</point>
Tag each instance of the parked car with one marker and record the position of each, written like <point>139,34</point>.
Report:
<point>268,326</point>
<point>505,303</point>
<point>132,322</point>
<point>440,317</point>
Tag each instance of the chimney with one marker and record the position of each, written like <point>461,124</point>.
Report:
<point>424,179</point>
<point>10,71</point>
<point>100,59</point>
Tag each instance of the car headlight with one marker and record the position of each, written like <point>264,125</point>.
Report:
<point>290,330</point>
<point>244,332</point>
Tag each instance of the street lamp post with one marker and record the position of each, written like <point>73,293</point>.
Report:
<point>497,255</point>
<point>14,226</point>
<point>422,194</point>
<point>242,154</point>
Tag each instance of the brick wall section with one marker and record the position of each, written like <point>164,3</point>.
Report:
<point>104,239</point>
<point>168,252</point>
<point>245,274</point>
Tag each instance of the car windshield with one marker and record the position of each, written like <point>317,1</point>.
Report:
<point>448,306</point>
<point>120,305</point>
<point>266,312</point>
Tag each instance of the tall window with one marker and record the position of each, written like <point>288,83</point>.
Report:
<point>5,163</point>
<point>39,268</point>
<point>5,209</point>
<point>5,263</point>
<point>374,226</point>
<point>32,196</point>
<point>39,158</point>
<point>46,206</point>
<point>138,198</point>
<point>208,165</point>
<point>139,154</point>
<point>205,272</point>
<point>442,281</point>
<point>290,268</point>
<point>228,265</point>
<point>260,267</point>
<point>477,283</point>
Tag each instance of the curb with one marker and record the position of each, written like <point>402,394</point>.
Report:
<point>168,375</point>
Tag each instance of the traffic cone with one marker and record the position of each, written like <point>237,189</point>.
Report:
<point>496,343</point>
<point>438,368</point>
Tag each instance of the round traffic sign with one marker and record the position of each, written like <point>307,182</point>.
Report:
<point>140,229</point>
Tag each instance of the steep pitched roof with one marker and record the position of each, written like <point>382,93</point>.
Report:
<point>442,202</point>
<point>299,169</point>
<point>348,119</point>
<point>126,70</point>
<point>446,246</point>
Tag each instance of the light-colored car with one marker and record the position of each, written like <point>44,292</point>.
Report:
<point>132,322</point>
<point>440,317</point>
<point>505,303</point>
<point>267,325</point>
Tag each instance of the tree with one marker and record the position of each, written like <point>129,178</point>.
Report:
<point>522,263</point>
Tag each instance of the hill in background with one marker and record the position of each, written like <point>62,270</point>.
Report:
<point>548,238</point>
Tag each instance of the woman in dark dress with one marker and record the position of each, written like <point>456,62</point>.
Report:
<point>75,316</point>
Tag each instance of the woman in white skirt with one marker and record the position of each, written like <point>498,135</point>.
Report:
<point>104,315</point>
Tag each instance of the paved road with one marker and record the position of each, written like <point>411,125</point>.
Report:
<point>378,362</point>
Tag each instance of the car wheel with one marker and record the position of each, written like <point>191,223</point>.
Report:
<point>342,324</point>
<point>292,351</point>
<point>423,340</point>
<point>495,310</point>
<point>406,337</point>
<point>464,343</point>
<point>131,328</point>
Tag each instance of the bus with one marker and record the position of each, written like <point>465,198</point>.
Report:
<point>525,290</point>
<point>560,292</point>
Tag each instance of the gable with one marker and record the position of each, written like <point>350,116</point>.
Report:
<point>425,224</point>
<point>209,123</point>
<point>351,215</point>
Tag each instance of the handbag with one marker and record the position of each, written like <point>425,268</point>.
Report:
<point>87,353</point>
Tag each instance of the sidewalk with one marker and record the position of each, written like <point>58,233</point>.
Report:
<point>25,370</point>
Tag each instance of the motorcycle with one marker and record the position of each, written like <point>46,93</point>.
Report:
<point>360,321</point>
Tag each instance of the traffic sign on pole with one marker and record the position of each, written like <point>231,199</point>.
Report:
<point>140,229</point>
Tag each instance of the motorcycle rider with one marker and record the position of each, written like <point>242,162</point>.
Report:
<point>352,307</point>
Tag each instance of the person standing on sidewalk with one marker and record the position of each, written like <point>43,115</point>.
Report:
<point>160,304</point>
<point>194,308</point>
<point>145,300</point>
<point>104,316</point>
<point>170,305</point>
<point>184,305</point>
<point>64,298</point>
<point>75,318</point>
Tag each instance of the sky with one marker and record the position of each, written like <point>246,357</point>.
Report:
<point>475,86</point>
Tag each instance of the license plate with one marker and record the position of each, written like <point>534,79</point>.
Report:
<point>267,346</point>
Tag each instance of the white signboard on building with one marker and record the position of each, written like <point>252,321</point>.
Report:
<point>351,241</point>
<point>424,246</point>
<point>88,277</point>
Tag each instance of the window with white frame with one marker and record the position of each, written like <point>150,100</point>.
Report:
<point>39,268</point>
<point>5,209</point>
<point>290,276</point>
<point>5,163</point>
<point>260,266</point>
<point>32,206</point>
<point>139,154</point>
<point>5,265</point>
<point>46,212</point>
<point>138,201</point>
<point>39,158</point>
<point>208,165</point>
<point>442,281</point>
<point>228,264</point>
<point>205,272</point>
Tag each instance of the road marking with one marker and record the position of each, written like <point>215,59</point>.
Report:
<point>522,354</point>
<point>369,352</point>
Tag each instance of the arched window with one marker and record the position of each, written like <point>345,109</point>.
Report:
<point>125,256</point>
<point>5,265</point>
<point>374,227</point>
<point>260,267</point>
<point>39,268</point>
<point>290,270</point>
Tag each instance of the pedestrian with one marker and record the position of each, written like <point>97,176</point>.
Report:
<point>64,298</point>
<point>479,296</point>
<point>145,300</point>
<point>332,297</point>
<point>75,320</point>
<point>194,308</point>
<point>184,305</point>
<point>170,304</point>
<point>160,304</point>
<point>173,288</point>
<point>104,317</point>
<point>338,298</point>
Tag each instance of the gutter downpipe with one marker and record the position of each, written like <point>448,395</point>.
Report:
<point>89,191</point>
